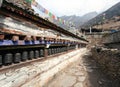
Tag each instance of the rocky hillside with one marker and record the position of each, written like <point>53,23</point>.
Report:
<point>105,17</point>
<point>80,20</point>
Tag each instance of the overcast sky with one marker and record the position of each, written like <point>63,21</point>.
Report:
<point>76,7</point>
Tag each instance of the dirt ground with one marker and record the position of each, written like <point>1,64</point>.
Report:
<point>83,73</point>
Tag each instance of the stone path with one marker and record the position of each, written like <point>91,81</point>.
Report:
<point>84,73</point>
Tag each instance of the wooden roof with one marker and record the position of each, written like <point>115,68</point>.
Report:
<point>15,10</point>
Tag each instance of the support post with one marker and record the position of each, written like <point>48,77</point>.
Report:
<point>45,52</point>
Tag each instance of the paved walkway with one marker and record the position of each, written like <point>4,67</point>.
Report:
<point>83,73</point>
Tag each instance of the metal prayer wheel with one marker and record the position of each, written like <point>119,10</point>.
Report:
<point>17,58</point>
<point>24,56</point>
<point>36,54</point>
<point>53,51</point>
<point>31,54</point>
<point>56,50</point>
<point>41,53</point>
<point>49,51</point>
<point>60,49</point>
<point>8,58</point>
<point>0,60</point>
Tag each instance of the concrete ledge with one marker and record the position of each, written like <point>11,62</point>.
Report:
<point>37,74</point>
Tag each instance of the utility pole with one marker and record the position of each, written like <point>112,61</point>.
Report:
<point>103,22</point>
<point>1,1</point>
<point>90,30</point>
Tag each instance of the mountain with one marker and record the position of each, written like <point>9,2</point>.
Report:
<point>105,17</point>
<point>79,20</point>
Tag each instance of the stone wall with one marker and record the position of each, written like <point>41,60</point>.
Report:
<point>37,74</point>
<point>94,40</point>
<point>113,45</point>
<point>109,60</point>
<point>112,38</point>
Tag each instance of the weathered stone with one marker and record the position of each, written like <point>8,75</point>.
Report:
<point>2,76</point>
<point>7,85</point>
<point>24,69</point>
<point>78,85</point>
<point>3,82</point>
<point>24,76</point>
<point>108,60</point>
<point>68,81</point>
<point>80,73</point>
<point>19,81</point>
<point>72,71</point>
<point>9,73</point>
<point>88,69</point>
<point>14,76</point>
<point>100,82</point>
<point>81,78</point>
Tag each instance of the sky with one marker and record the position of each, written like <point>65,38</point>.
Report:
<point>76,7</point>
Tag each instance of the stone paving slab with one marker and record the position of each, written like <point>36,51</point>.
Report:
<point>78,85</point>
<point>83,73</point>
<point>73,76</point>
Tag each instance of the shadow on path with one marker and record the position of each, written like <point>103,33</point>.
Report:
<point>95,75</point>
<point>83,73</point>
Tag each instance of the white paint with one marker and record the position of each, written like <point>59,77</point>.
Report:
<point>39,73</point>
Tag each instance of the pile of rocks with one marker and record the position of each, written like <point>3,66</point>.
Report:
<point>21,4</point>
<point>109,59</point>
